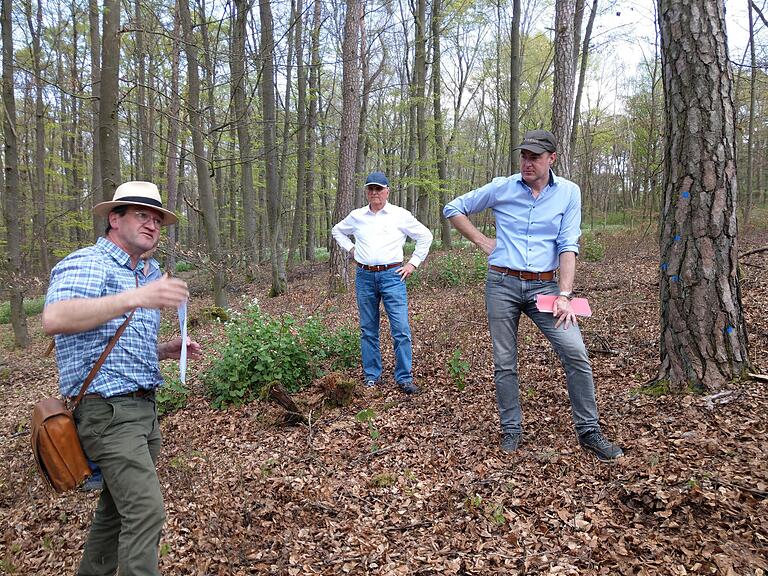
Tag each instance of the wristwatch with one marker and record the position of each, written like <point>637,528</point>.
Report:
<point>567,294</point>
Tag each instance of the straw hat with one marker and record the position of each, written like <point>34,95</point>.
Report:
<point>136,193</point>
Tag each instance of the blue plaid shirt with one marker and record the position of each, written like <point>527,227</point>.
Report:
<point>102,270</point>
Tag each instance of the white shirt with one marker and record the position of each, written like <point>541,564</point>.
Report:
<point>379,236</point>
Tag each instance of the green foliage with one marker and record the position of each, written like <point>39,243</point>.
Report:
<point>368,416</point>
<point>458,368</point>
<point>655,389</point>
<point>457,268</point>
<point>32,307</point>
<point>182,266</point>
<point>171,396</point>
<point>261,350</point>
<point>592,247</point>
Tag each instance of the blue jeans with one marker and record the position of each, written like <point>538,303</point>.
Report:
<point>387,287</point>
<point>506,297</point>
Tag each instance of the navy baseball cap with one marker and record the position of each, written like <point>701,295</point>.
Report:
<point>377,179</point>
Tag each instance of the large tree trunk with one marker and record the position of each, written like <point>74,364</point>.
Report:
<point>109,136</point>
<point>703,334</point>
<point>274,197</point>
<point>202,166</point>
<point>350,117</point>
<point>564,78</point>
<point>242,117</point>
<point>12,208</point>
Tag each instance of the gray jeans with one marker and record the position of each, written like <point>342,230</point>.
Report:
<point>122,436</point>
<point>506,297</point>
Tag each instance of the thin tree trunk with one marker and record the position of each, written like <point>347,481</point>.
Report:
<point>242,121</point>
<point>172,163</point>
<point>514,88</point>
<point>437,111</point>
<point>12,209</point>
<point>202,165</point>
<point>39,218</point>
<point>109,136</point>
<point>297,232</point>
<point>582,74</point>
<point>751,124</point>
<point>314,96</point>
<point>99,222</point>
<point>274,197</point>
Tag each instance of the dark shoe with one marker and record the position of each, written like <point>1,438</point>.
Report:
<point>600,446</point>
<point>510,441</point>
<point>409,388</point>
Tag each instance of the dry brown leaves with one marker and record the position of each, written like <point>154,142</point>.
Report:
<point>432,494</point>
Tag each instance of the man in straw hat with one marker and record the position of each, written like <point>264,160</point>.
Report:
<point>538,224</point>
<point>91,292</point>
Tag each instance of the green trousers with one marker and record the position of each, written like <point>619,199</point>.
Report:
<point>121,435</point>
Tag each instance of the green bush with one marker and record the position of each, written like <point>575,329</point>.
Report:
<point>32,307</point>
<point>592,248</point>
<point>171,396</point>
<point>457,269</point>
<point>182,266</point>
<point>262,350</point>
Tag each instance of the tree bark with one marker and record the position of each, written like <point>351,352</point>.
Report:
<point>441,152</point>
<point>299,218</point>
<point>582,75</point>
<point>39,217</point>
<point>99,222</point>
<point>202,165</point>
<point>564,78</point>
<point>274,197</point>
<point>242,121</point>
<point>703,333</point>
<point>12,209</point>
<point>514,87</point>
<point>109,135</point>
<point>350,118</point>
<point>751,124</point>
<point>312,114</point>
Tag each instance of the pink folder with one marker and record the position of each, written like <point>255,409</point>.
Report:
<point>545,302</point>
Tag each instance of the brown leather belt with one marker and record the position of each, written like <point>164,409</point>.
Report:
<point>378,267</point>
<point>523,275</point>
<point>141,393</point>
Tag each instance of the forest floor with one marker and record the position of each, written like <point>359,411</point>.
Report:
<point>433,494</point>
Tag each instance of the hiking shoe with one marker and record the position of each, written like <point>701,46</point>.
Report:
<point>370,383</point>
<point>510,441</point>
<point>409,388</point>
<point>600,446</point>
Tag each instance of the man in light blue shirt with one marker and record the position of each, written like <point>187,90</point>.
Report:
<point>538,224</point>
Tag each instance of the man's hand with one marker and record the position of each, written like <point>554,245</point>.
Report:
<point>172,349</point>
<point>164,293</point>
<point>486,244</point>
<point>406,271</point>
<point>563,312</point>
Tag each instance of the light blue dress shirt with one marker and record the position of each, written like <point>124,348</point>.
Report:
<point>531,233</point>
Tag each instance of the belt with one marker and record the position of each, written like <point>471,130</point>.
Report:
<point>523,275</point>
<point>378,267</point>
<point>141,393</point>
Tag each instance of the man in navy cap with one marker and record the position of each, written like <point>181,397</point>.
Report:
<point>380,230</point>
<point>538,224</point>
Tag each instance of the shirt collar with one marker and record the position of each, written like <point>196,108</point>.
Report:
<point>384,208</point>
<point>115,252</point>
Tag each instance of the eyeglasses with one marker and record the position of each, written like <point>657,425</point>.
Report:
<point>144,217</point>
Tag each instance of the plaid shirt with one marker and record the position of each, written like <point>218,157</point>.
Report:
<point>102,270</point>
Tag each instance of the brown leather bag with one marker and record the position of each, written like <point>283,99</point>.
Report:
<point>55,443</point>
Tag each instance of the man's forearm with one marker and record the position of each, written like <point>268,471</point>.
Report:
<point>567,274</point>
<point>81,314</point>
